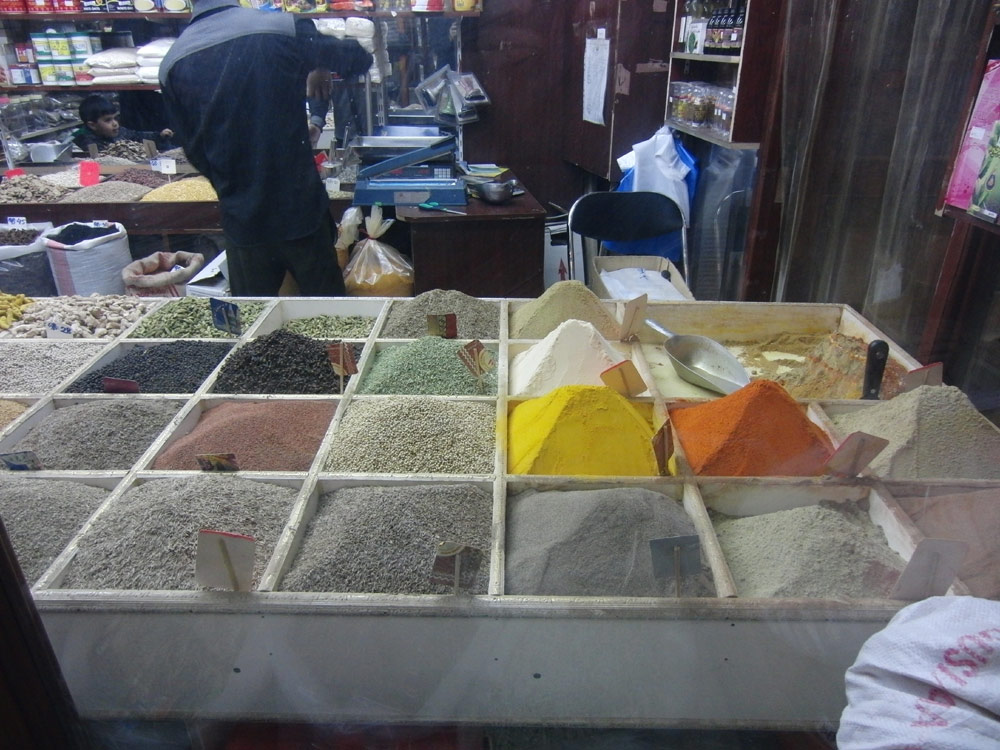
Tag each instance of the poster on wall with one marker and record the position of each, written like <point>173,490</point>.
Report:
<point>985,203</point>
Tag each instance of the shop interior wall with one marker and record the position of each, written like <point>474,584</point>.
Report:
<point>519,51</point>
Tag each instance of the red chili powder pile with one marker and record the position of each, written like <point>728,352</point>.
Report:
<point>276,435</point>
<point>757,431</point>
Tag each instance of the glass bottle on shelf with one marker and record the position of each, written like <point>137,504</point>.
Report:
<point>741,16</point>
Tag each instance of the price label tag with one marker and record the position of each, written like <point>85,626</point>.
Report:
<point>92,150</point>
<point>342,358</point>
<point>663,448</point>
<point>217,461</point>
<point>119,385</point>
<point>932,374</point>
<point>21,461</point>
<point>150,147</point>
<point>90,173</point>
<point>224,560</point>
<point>226,316</point>
<point>634,315</point>
<point>445,326</point>
<point>854,454</point>
<point>676,557</point>
<point>56,330</point>
<point>624,378</point>
<point>477,358</point>
<point>931,569</point>
<point>17,220</point>
<point>164,165</point>
<point>456,565</point>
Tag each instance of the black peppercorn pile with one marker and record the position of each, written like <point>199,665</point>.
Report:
<point>280,362</point>
<point>177,367</point>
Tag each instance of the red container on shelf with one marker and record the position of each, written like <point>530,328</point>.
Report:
<point>40,6</point>
<point>12,6</point>
<point>67,6</point>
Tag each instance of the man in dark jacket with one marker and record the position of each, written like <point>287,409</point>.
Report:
<point>234,88</point>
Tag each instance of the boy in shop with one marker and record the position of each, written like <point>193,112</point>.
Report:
<point>99,116</point>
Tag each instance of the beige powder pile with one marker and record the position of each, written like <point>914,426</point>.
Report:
<point>562,301</point>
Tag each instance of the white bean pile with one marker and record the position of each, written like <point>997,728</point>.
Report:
<point>94,317</point>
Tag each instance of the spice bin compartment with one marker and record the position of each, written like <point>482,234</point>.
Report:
<point>426,366</point>
<point>406,318</point>
<point>434,436</point>
<point>287,311</point>
<point>270,433</point>
<point>138,532</point>
<point>756,554</point>
<point>675,491</point>
<point>611,308</point>
<point>35,367</point>
<point>191,318</point>
<point>125,426</point>
<point>26,401</point>
<point>379,524</point>
<point>168,358</point>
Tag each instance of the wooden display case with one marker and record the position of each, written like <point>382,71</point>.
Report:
<point>494,658</point>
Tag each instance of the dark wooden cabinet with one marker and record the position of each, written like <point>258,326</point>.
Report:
<point>635,96</point>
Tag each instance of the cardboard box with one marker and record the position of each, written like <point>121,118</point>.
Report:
<point>970,156</point>
<point>650,262</point>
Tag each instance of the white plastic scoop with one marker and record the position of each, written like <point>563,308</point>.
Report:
<point>703,361</point>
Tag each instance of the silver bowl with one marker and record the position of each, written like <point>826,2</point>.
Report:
<point>496,192</point>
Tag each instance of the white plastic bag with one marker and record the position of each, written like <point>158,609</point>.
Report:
<point>93,266</point>
<point>929,679</point>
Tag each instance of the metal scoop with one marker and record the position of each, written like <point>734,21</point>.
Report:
<point>703,361</point>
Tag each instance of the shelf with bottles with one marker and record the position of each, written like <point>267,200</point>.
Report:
<point>721,63</point>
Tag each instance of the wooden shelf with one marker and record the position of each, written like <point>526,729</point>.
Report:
<point>92,87</point>
<point>47,131</point>
<point>711,136</point>
<point>963,216</point>
<point>166,15</point>
<point>734,59</point>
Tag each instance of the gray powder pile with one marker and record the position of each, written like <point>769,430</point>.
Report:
<point>427,366</point>
<point>332,326</point>
<point>562,301</point>
<point>190,318</point>
<point>42,515</point>
<point>475,318</point>
<point>415,435</point>
<point>933,432</point>
<point>177,367</point>
<point>594,543</point>
<point>148,538</point>
<point>100,435</point>
<point>9,411</point>
<point>38,367</point>
<point>384,539</point>
<point>107,192</point>
<point>823,551</point>
<point>281,362</point>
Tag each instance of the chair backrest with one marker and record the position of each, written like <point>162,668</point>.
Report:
<point>622,217</point>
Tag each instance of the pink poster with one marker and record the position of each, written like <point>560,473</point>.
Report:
<point>977,137</point>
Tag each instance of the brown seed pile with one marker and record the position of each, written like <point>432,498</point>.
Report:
<point>18,236</point>
<point>131,150</point>
<point>28,188</point>
<point>107,192</point>
<point>146,177</point>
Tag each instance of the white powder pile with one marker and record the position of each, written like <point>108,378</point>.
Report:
<point>823,551</point>
<point>575,353</point>
<point>933,432</point>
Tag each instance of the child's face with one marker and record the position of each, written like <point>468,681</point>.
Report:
<point>105,125</point>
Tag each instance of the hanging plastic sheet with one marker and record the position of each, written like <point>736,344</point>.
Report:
<point>660,165</point>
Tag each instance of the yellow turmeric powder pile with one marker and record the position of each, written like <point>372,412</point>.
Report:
<point>580,429</point>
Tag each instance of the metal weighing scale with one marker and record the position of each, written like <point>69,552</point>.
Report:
<point>396,182</point>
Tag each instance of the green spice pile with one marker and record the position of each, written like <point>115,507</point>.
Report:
<point>191,318</point>
<point>427,366</point>
<point>332,326</point>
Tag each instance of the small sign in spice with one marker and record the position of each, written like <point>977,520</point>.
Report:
<point>478,359</point>
<point>21,461</point>
<point>90,173</point>
<point>55,329</point>
<point>119,385</point>
<point>342,358</point>
<point>633,317</point>
<point>624,378</point>
<point>663,448</point>
<point>445,326</point>
<point>677,557</point>
<point>226,316</point>
<point>456,565</point>
<point>17,220</point>
<point>217,461</point>
<point>224,560</point>
<point>854,454</point>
